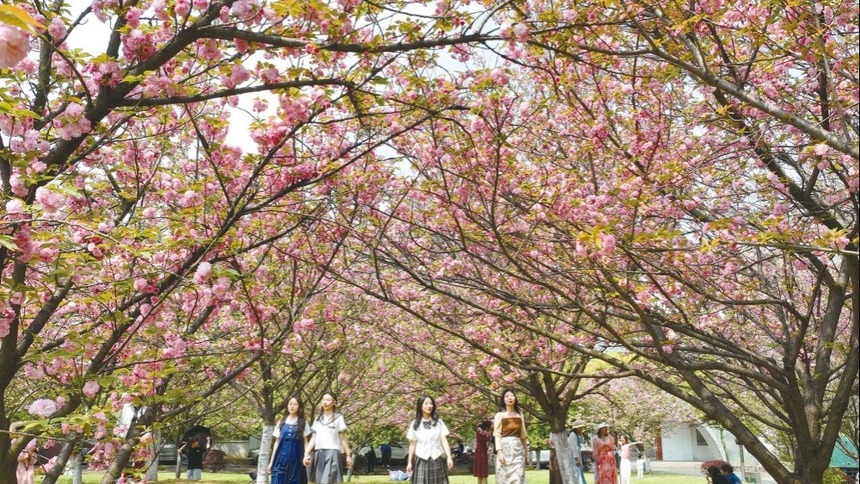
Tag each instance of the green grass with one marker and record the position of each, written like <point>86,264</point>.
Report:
<point>532,477</point>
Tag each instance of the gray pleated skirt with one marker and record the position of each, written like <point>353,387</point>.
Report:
<point>327,467</point>
<point>433,471</point>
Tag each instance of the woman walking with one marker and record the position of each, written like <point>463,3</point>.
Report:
<point>286,466</point>
<point>327,442</point>
<point>482,445</point>
<point>429,457</point>
<point>603,447</point>
<point>574,441</point>
<point>509,431</point>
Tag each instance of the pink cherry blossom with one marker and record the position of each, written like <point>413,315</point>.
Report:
<point>42,407</point>
<point>841,242</point>
<point>203,271</point>
<point>608,244</point>
<point>14,45</point>
<point>33,372</point>
<point>133,17</point>
<point>15,205</point>
<point>74,123</point>
<point>57,28</point>
<point>5,325</point>
<point>50,200</point>
<point>521,32</point>
<point>221,286</point>
<point>47,466</point>
<point>120,430</point>
<point>91,388</point>
<point>140,283</point>
<point>304,325</point>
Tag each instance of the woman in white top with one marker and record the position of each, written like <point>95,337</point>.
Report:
<point>624,453</point>
<point>429,452</point>
<point>327,442</point>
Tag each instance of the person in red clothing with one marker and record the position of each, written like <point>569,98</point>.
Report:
<point>482,446</point>
<point>603,447</point>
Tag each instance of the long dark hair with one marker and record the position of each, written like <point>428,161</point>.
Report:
<point>504,407</point>
<point>419,413</point>
<point>300,413</point>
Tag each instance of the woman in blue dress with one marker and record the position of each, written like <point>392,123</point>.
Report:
<point>286,466</point>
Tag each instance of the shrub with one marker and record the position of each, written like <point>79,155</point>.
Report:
<point>214,460</point>
<point>834,475</point>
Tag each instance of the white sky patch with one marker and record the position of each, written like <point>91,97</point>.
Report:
<point>92,36</point>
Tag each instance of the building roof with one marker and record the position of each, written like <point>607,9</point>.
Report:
<point>844,454</point>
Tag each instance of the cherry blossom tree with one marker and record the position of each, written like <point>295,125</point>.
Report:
<point>679,181</point>
<point>765,210</point>
<point>636,409</point>
<point>483,353</point>
<point>121,191</point>
<point>696,207</point>
<point>651,290</point>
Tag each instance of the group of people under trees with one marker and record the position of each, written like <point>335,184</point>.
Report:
<point>313,451</point>
<point>613,463</point>
<point>607,469</point>
<point>604,450</point>
<point>316,448</point>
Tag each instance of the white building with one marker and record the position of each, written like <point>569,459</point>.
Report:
<point>700,443</point>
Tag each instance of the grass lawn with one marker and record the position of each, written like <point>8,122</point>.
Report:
<point>532,477</point>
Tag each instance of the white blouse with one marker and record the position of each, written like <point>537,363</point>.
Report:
<point>327,432</point>
<point>428,441</point>
<point>277,432</point>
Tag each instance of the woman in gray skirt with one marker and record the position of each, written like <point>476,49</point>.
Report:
<point>327,442</point>
<point>429,453</point>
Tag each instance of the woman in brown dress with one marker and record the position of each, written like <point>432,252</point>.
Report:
<point>509,431</point>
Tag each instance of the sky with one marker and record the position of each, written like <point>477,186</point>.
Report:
<point>91,37</point>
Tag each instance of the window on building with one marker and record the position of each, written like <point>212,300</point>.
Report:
<point>700,439</point>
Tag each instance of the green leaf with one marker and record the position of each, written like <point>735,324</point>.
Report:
<point>17,17</point>
<point>107,381</point>
<point>7,241</point>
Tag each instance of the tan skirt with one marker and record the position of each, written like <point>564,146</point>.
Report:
<point>514,469</point>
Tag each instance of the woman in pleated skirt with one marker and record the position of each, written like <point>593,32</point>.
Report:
<point>327,442</point>
<point>429,453</point>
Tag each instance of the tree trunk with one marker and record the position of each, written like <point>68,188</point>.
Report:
<point>60,464</point>
<point>7,462</point>
<point>562,455</point>
<point>7,470</point>
<point>152,461</point>
<point>810,466</point>
<point>265,454</point>
<point>8,456</point>
<point>114,471</point>
<point>78,468</point>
